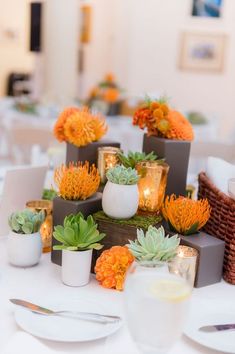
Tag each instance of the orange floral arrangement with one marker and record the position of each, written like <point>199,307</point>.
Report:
<point>162,121</point>
<point>106,90</point>
<point>184,215</point>
<point>77,181</point>
<point>112,265</point>
<point>79,126</point>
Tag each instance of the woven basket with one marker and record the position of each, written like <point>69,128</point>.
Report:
<point>221,223</point>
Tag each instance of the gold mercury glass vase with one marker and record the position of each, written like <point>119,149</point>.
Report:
<point>152,184</point>
<point>47,226</point>
<point>107,158</point>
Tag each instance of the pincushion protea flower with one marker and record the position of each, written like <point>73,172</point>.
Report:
<point>161,121</point>
<point>77,181</point>
<point>184,215</point>
<point>112,265</point>
<point>79,126</point>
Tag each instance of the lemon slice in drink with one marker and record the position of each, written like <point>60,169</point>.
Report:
<point>170,290</point>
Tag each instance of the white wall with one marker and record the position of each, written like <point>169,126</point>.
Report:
<point>152,41</point>
<point>14,53</point>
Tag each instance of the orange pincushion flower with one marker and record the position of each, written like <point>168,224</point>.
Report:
<point>184,215</point>
<point>80,127</point>
<point>112,265</point>
<point>59,126</point>
<point>77,181</point>
<point>161,121</point>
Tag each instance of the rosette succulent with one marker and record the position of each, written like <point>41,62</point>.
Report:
<point>133,158</point>
<point>154,246</point>
<point>26,221</point>
<point>78,234</point>
<point>122,175</point>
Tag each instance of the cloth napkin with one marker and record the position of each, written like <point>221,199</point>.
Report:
<point>219,172</point>
<point>22,342</point>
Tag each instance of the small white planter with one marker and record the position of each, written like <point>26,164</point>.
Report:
<point>24,250</point>
<point>76,267</point>
<point>120,201</point>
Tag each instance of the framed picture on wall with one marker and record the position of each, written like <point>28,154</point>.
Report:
<point>207,8</point>
<point>202,51</point>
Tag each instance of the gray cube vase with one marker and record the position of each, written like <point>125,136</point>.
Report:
<point>62,208</point>
<point>211,256</point>
<point>87,153</point>
<point>176,154</point>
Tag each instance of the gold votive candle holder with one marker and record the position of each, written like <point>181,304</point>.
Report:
<point>151,185</point>
<point>107,158</point>
<point>185,264</point>
<point>46,228</point>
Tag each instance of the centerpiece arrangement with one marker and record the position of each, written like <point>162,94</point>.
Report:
<point>106,96</point>
<point>169,135</point>
<point>24,243</point>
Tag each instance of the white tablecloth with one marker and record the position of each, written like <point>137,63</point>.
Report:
<point>43,281</point>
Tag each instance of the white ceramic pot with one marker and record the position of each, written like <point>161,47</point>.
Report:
<point>120,201</point>
<point>76,267</point>
<point>24,250</point>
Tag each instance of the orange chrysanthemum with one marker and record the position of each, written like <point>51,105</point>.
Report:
<point>77,181</point>
<point>112,265</point>
<point>59,126</point>
<point>184,215</point>
<point>161,121</point>
<point>80,127</point>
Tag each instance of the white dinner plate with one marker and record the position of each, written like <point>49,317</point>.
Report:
<point>57,328</point>
<point>223,341</point>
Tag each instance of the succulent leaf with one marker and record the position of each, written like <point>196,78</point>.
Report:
<point>133,158</point>
<point>153,246</point>
<point>122,175</point>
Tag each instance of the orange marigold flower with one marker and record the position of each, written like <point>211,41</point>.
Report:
<point>184,215</point>
<point>98,126</point>
<point>180,128</point>
<point>77,181</point>
<point>112,265</point>
<point>59,126</point>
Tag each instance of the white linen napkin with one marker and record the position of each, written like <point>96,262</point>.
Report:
<point>22,342</point>
<point>219,172</point>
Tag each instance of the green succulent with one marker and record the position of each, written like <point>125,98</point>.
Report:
<point>133,158</point>
<point>78,234</point>
<point>122,175</point>
<point>26,221</point>
<point>153,247</point>
<point>49,194</point>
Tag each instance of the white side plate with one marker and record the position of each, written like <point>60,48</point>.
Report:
<point>63,329</point>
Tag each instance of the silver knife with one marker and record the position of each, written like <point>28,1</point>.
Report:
<point>216,328</point>
<point>86,316</point>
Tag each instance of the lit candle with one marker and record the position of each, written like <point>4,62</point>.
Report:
<point>107,158</point>
<point>151,185</point>
<point>185,263</point>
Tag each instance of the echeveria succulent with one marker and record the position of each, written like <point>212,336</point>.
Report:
<point>122,175</point>
<point>26,221</point>
<point>154,246</point>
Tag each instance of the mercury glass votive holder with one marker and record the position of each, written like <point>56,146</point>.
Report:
<point>152,184</point>
<point>107,158</point>
<point>46,228</point>
<point>185,263</point>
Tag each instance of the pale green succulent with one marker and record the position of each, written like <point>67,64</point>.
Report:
<point>153,247</point>
<point>78,234</point>
<point>133,158</point>
<point>122,175</point>
<point>26,221</point>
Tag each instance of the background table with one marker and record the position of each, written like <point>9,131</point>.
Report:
<point>43,281</point>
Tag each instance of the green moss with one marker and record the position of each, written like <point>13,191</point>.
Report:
<point>139,221</point>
